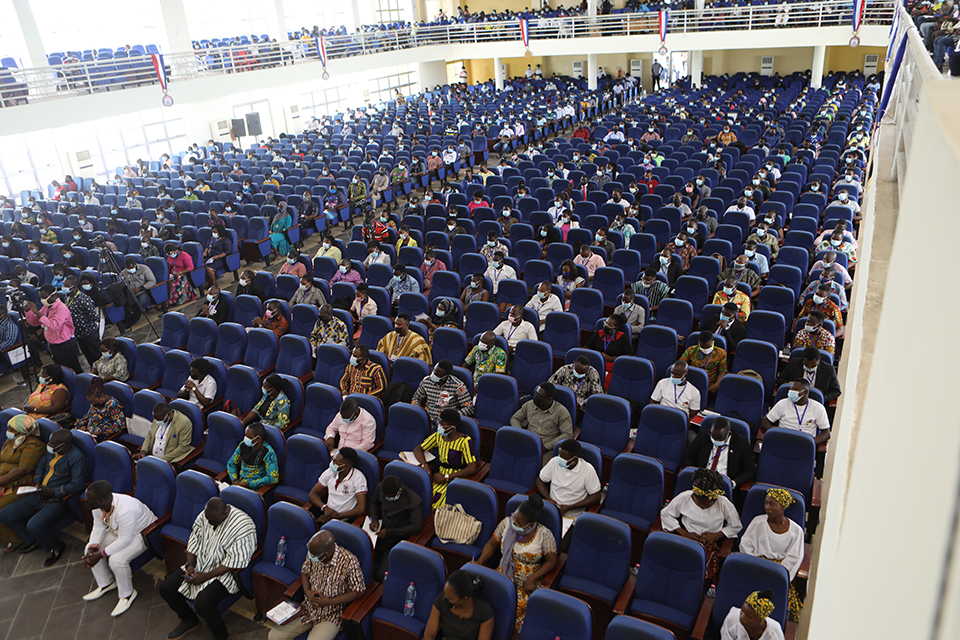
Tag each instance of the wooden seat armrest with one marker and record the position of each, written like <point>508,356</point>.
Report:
<point>263,491</point>
<point>425,534</point>
<point>154,526</point>
<point>620,607</point>
<point>551,577</point>
<point>193,455</point>
<point>790,631</point>
<point>804,571</point>
<point>656,526</point>
<point>482,473</point>
<point>366,606</point>
<point>703,620</point>
<point>745,487</point>
<point>293,589</point>
<point>576,433</point>
<point>356,604</point>
<point>221,477</point>
<point>816,493</point>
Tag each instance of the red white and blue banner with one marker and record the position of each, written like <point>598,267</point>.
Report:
<point>892,38</point>
<point>157,60</point>
<point>859,6</point>
<point>322,54</point>
<point>525,32</point>
<point>662,17</point>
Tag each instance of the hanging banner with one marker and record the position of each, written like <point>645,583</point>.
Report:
<point>859,6</point>
<point>662,17</point>
<point>525,35</point>
<point>161,71</point>
<point>322,54</point>
<point>892,37</point>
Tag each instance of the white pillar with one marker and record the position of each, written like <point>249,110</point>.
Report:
<point>31,33</point>
<point>592,68</point>
<point>175,23</point>
<point>432,73</point>
<point>281,21</point>
<point>816,79</point>
<point>592,8</point>
<point>357,20</point>
<point>498,72</point>
<point>696,68</point>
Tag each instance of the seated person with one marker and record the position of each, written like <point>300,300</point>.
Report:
<point>629,309</point>
<point>362,306</point>
<point>814,334</point>
<point>528,551</point>
<point>214,308</point>
<point>831,310</point>
<point>396,513</point>
<point>798,411</point>
<point>20,453</point>
<point>306,293</point>
<point>354,425</point>
<point>727,324</point>
<point>346,273</point>
<point>273,319</point>
<point>544,302</point>
<point>545,417</point>
<point>674,391</point>
<point>705,515</point>
<point>170,437</point>
<point>328,330</point>
<point>430,267</point>
<point>486,357</point>
<point>50,399</point>
<point>458,613</point>
<point>404,342</point>
<point>611,340</point>
<point>254,463</point>
<point>362,375</point>
<point>454,459</point>
<point>442,390</point>
<point>704,355</point>
<point>474,291</point>
<point>574,484</point>
<point>105,418</point>
<point>589,260</point>
<point>401,283</point>
<point>515,328</point>
<point>581,378</point>
<point>821,375</point>
<point>274,406</point>
<point>345,488</point>
<point>111,365</point>
<point>752,620</point>
<point>723,450</point>
<point>498,271</point>
<point>250,287</point>
<point>201,387</point>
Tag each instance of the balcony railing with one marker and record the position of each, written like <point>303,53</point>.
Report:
<point>19,86</point>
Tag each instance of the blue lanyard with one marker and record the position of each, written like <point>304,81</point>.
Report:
<point>801,417</point>
<point>676,397</point>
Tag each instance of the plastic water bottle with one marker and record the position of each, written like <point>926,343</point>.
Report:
<point>281,551</point>
<point>410,601</point>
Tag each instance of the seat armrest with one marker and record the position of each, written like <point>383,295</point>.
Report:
<point>425,534</point>
<point>703,620</point>
<point>154,526</point>
<point>816,493</point>
<point>293,589</point>
<point>193,455</point>
<point>804,570</point>
<point>263,491</point>
<point>482,473</point>
<point>726,547</point>
<point>656,526</point>
<point>551,577</point>
<point>221,477</point>
<point>620,607</point>
<point>357,612</point>
<point>790,631</point>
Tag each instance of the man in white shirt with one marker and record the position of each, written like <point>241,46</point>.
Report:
<point>574,484</point>
<point>743,205</point>
<point>543,302</point>
<point>844,200</point>
<point>614,135</point>
<point>345,488</point>
<point>797,411</point>
<point>114,542</point>
<point>515,328</point>
<point>497,271</point>
<point>528,73</point>
<point>519,129</point>
<point>506,134</point>
<point>676,392</point>
<point>355,426</point>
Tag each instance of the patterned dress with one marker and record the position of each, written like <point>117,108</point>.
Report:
<point>452,457</point>
<point>528,557</point>
<point>104,422</point>
<point>276,413</point>
<point>258,467</point>
<point>27,456</point>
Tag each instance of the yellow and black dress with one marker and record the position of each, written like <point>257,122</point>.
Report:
<point>452,456</point>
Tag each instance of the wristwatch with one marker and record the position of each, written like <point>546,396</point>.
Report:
<point>446,477</point>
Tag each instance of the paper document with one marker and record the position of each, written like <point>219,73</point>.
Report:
<point>25,490</point>
<point>409,458</point>
<point>284,612</point>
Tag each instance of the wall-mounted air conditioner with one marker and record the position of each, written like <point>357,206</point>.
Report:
<point>292,119</point>
<point>636,68</point>
<point>766,66</point>
<point>870,62</point>
<point>220,130</point>
<point>578,68</point>
<point>81,162</point>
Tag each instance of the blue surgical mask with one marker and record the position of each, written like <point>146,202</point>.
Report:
<point>11,435</point>
<point>106,356</point>
<point>353,361</point>
<point>579,376</point>
<point>564,464</point>
<point>392,498</point>
<point>676,381</point>
<point>334,467</point>
<point>717,443</point>
<point>434,378</point>
<point>248,441</point>
<point>793,395</point>
<point>211,298</point>
<point>86,287</point>
<point>51,451</point>
<point>312,557</point>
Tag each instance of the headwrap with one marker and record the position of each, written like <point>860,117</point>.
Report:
<point>781,495</point>
<point>25,426</point>
<point>281,212</point>
<point>709,495</point>
<point>760,605</point>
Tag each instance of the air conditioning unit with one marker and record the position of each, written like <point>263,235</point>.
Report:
<point>870,62</point>
<point>636,68</point>
<point>578,68</point>
<point>82,164</point>
<point>220,130</point>
<point>291,115</point>
<point>766,66</point>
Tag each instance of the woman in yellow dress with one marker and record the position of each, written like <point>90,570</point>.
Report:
<point>51,399</point>
<point>528,551</point>
<point>21,453</point>
<point>453,455</point>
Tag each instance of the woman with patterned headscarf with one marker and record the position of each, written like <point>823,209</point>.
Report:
<point>705,515</point>
<point>752,621</point>
<point>776,537</point>
<point>21,453</point>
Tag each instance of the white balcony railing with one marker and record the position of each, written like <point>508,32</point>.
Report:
<point>19,86</point>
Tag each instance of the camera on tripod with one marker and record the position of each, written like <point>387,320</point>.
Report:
<point>15,299</point>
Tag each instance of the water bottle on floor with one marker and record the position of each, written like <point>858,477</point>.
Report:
<point>281,551</point>
<point>410,601</point>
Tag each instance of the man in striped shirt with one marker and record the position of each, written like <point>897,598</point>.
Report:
<point>223,539</point>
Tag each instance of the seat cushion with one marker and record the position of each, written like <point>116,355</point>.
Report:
<point>396,618</point>
<point>176,532</point>
<point>281,574</point>
<point>629,518</point>
<point>468,550</point>
<point>603,592</point>
<point>505,485</point>
<point>292,492</point>
<point>662,611</point>
<point>214,466</point>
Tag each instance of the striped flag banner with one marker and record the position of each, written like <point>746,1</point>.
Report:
<point>157,60</point>
<point>894,27</point>
<point>525,32</point>
<point>858,8</point>
<point>321,51</point>
<point>662,17</point>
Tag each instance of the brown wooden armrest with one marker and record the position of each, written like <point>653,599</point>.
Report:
<point>703,620</point>
<point>816,493</point>
<point>157,524</point>
<point>356,604</point>
<point>425,534</point>
<point>548,580</point>
<point>620,607</point>
<point>822,447</point>
<point>804,570</point>
<point>221,477</point>
<point>745,487</point>
<point>293,589</point>
<point>790,631</point>
<point>368,604</point>
<point>656,526</point>
<point>482,473</point>
<point>193,455</point>
<point>262,491</point>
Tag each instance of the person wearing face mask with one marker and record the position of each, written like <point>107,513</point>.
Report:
<point>545,417</point>
<point>544,302</point>
<point>573,484</point>
<point>60,472</point>
<point>611,340</point>
<point>740,272</point>
<point>224,538</point>
<point>705,355</point>
<point>814,334</point>
<point>380,183</point>
<point>492,246</point>
<point>581,378</point>
<point>726,323</point>
<point>331,579</point>
<point>254,462</point>
<point>838,242</point>
<point>744,204</point>
<point>429,267</point>
<point>820,301</point>
<point>404,342</point>
<point>274,406</point>
<point>344,487</point>
<point>757,258</point>
<point>35,254</point>
<point>248,286</point>
<point>819,374</point>
<point>362,376</point>
<point>353,424</point>
<point>843,199</point>
<point>328,330</point>
<point>654,289</point>
<point>665,264</point>
<point>453,455</point>
<point>827,278</point>
<point>453,226</point>
<point>396,513</point>
<point>346,273</point>
<point>718,448</point>
<point>356,198</point>
<point>10,249</point>
<point>507,219</point>
<point>498,271</point>
<point>764,234</point>
<point>727,136</point>
<point>215,255</point>
<point>405,239</point>
<point>730,293</point>
<point>528,551</point>
<point>213,307</point>
<point>674,391</point>
<point>799,412</point>
<point>515,328</point>
<point>329,249</point>
<point>631,310</point>
<point>442,390</point>
<point>20,453</point>
<point>486,357</point>
<point>105,418</point>
<point>829,261</point>
<point>57,324</point>
<point>200,387</point>
<point>180,265</point>
<point>273,319</point>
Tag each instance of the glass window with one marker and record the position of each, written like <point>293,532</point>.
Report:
<point>66,25</point>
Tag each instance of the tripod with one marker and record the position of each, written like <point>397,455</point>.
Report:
<point>108,265</point>
<point>15,298</point>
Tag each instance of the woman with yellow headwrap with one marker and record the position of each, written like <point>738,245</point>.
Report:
<point>776,537</point>
<point>19,457</point>
<point>705,515</point>
<point>752,621</point>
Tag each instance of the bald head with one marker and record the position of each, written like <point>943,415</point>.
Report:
<point>216,511</point>
<point>321,546</point>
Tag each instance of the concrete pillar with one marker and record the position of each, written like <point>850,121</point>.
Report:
<point>357,21</point>
<point>592,8</point>
<point>696,68</point>
<point>816,79</point>
<point>31,33</point>
<point>175,23</point>
<point>432,73</point>
<point>498,72</point>
<point>281,21</point>
<point>592,68</point>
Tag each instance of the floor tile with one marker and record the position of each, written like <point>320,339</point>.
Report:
<point>64,622</point>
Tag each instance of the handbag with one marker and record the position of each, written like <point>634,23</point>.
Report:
<point>455,525</point>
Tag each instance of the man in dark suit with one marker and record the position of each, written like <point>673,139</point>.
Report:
<point>666,265</point>
<point>720,449</point>
<point>214,307</point>
<point>727,324</point>
<point>811,368</point>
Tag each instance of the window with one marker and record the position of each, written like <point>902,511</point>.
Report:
<point>326,14</point>
<point>393,10</point>
<point>223,19</point>
<point>66,25</point>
